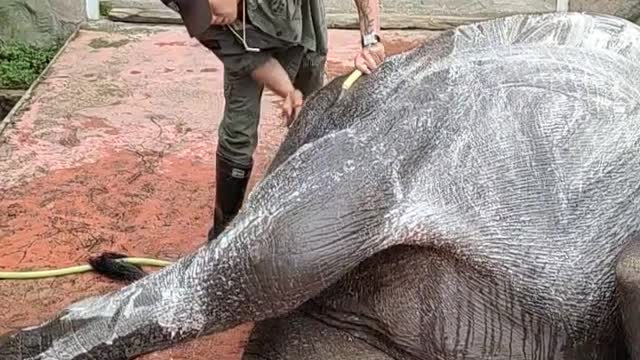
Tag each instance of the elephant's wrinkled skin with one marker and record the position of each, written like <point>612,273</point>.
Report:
<point>476,198</point>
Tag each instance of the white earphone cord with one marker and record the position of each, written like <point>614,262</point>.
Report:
<point>244,29</point>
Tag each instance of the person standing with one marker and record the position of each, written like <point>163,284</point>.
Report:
<point>280,44</point>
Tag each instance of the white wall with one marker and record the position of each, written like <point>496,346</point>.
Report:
<point>93,9</point>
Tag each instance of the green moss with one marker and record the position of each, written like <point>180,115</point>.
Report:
<point>21,64</point>
<point>105,8</point>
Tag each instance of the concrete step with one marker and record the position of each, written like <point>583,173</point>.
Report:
<point>401,14</point>
<point>143,11</point>
<point>407,14</point>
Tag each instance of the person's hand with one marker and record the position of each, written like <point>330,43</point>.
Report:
<point>223,12</point>
<point>291,106</point>
<point>369,58</point>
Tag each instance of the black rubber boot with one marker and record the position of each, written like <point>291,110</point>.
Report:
<point>231,185</point>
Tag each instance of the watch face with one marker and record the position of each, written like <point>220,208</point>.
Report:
<point>369,39</point>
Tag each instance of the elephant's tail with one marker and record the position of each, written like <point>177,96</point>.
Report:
<point>109,265</point>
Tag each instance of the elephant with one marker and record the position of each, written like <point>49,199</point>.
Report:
<point>473,198</point>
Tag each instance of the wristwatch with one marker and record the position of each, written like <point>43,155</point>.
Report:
<point>370,39</point>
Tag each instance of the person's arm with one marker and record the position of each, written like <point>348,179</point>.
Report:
<point>372,53</point>
<point>369,16</point>
<point>195,14</point>
<point>224,12</point>
<point>198,15</point>
<point>272,75</point>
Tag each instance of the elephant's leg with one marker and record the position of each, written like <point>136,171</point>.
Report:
<point>289,243</point>
<point>300,337</point>
<point>628,277</point>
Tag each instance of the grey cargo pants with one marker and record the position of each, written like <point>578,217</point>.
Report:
<point>238,130</point>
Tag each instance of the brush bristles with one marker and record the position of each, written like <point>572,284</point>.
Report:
<point>108,264</point>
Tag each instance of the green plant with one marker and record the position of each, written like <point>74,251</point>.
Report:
<point>105,8</point>
<point>21,64</point>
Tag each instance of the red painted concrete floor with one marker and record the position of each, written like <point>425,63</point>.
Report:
<point>114,151</point>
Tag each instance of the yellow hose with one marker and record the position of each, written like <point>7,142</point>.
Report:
<point>41,274</point>
<point>355,75</point>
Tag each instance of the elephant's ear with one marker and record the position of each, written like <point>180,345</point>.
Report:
<point>628,281</point>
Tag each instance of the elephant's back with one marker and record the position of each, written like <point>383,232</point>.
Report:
<point>537,76</point>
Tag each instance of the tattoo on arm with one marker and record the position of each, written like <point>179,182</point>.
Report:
<point>368,13</point>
